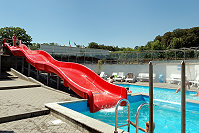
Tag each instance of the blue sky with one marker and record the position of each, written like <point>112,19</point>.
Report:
<point>123,23</point>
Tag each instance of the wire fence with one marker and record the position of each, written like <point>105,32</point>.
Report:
<point>92,56</point>
<point>129,57</point>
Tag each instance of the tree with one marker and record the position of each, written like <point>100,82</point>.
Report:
<point>156,45</point>
<point>175,43</point>
<point>149,45</point>
<point>93,45</point>
<point>8,32</point>
<point>35,46</point>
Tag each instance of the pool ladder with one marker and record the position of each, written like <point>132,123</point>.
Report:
<point>116,108</point>
<point>137,115</point>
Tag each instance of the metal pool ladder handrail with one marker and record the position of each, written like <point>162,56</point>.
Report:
<point>116,108</point>
<point>137,115</point>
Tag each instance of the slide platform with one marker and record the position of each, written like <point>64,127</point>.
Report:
<point>82,80</point>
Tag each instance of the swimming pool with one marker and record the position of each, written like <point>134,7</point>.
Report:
<point>167,115</point>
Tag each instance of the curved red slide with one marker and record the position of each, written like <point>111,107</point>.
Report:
<point>82,80</point>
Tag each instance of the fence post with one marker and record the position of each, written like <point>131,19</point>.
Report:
<point>184,55</point>
<point>195,54</point>
<point>84,58</point>
<point>76,58</point>
<point>150,97</point>
<point>92,59</point>
<point>183,108</point>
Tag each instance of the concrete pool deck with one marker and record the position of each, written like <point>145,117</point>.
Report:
<point>23,108</point>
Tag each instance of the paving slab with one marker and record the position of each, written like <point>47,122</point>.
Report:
<point>18,101</point>
<point>41,124</point>
<point>16,83</point>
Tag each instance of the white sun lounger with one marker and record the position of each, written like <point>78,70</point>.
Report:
<point>120,77</point>
<point>174,78</point>
<point>130,78</point>
<point>114,74</point>
<point>144,77</point>
<point>195,82</point>
<point>103,75</point>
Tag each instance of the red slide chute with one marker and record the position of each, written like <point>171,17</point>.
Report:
<point>82,80</point>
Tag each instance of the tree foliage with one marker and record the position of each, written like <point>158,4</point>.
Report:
<point>179,38</point>
<point>35,46</point>
<point>110,48</point>
<point>8,32</point>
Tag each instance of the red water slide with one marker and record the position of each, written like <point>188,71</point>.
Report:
<point>82,80</point>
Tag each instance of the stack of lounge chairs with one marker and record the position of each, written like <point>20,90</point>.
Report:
<point>144,77</point>
<point>130,77</point>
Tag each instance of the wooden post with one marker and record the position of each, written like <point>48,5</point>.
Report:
<point>28,69</point>
<point>0,65</point>
<point>22,65</point>
<point>15,62</point>
<point>58,82</point>
<point>48,79</point>
<point>38,75</point>
<point>183,102</point>
<point>150,97</point>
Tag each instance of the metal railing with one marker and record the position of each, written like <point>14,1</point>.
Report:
<point>116,108</point>
<point>137,115</point>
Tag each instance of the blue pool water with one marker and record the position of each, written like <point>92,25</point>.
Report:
<point>167,116</point>
<point>161,93</point>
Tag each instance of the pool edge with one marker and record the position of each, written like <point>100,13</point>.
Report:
<point>78,120</point>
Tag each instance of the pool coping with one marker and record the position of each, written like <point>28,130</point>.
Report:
<point>78,120</point>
